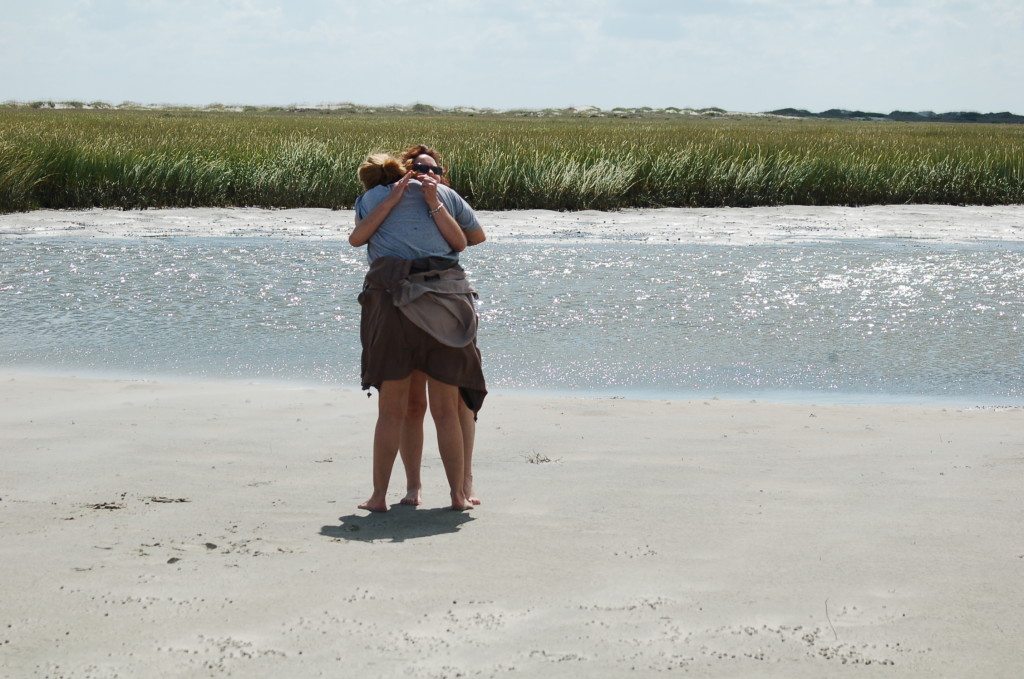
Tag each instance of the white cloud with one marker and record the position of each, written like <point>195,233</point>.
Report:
<point>741,54</point>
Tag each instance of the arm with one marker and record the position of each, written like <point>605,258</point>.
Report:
<point>448,227</point>
<point>366,227</point>
<point>466,220</point>
<point>446,224</point>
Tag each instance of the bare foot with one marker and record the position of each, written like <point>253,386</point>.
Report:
<point>375,504</point>
<point>412,498</point>
<point>467,489</point>
<point>460,503</point>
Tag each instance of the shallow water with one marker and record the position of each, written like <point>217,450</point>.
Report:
<point>902,320</point>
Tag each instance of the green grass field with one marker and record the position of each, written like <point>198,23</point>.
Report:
<point>134,159</point>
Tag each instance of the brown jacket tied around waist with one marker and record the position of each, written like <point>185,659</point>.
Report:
<point>420,315</point>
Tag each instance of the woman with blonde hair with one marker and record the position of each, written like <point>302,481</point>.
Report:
<point>380,169</point>
<point>418,324</point>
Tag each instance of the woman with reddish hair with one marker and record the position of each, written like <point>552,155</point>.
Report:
<point>418,324</point>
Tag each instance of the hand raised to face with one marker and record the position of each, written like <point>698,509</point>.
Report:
<point>429,189</point>
<point>399,187</point>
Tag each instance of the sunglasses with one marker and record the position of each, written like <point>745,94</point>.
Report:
<point>423,169</point>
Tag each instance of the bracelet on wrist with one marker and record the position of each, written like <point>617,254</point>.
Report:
<point>437,209</point>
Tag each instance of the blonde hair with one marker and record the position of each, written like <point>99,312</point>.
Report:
<point>380,168</point>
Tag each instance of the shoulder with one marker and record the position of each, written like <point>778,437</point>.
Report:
<point>373,196</point>
<point>459,208</point>
<point>448,191</point>
<point>377,192</point>
<point>451,196</point>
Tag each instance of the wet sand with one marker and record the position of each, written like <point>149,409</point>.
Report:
<point>736,226</point>
<point>184,528</point>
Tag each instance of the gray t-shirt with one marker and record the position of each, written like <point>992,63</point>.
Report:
<point>409,231</point>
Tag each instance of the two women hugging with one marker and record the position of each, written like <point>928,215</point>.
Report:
<point>418,322</point>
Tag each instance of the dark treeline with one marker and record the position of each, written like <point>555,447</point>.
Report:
<point>1003,117</point>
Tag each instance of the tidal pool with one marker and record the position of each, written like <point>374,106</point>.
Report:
<point>847,320</point>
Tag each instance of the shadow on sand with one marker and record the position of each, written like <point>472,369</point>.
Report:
<point>401,523</point>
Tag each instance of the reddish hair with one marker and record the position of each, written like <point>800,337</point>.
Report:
<point>410,155</point>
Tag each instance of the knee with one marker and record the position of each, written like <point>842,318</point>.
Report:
<point>391,418</point>
<point>443,411</point>
<point>416,408</point>
<point>392,413</point>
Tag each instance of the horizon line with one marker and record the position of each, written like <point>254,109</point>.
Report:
<point>418,107</point>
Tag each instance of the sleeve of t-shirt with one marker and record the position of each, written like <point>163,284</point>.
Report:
<point>369,200</point>
<point>459,209</point>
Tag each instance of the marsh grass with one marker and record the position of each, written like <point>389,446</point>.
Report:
<point>133,159</point>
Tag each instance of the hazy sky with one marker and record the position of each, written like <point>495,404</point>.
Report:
<point>746,55</point>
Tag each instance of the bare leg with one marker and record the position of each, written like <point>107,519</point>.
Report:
<point>391,404</point>
<point>411,447</point>
<point>444,408</point>
<point>468,425</point>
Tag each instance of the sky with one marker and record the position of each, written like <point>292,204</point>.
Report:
<point>741,55</point>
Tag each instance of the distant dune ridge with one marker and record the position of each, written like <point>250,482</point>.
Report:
<point>419,108</point>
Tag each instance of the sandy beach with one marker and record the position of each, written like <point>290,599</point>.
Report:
<point>783,441</point>
<point>176,528</point>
